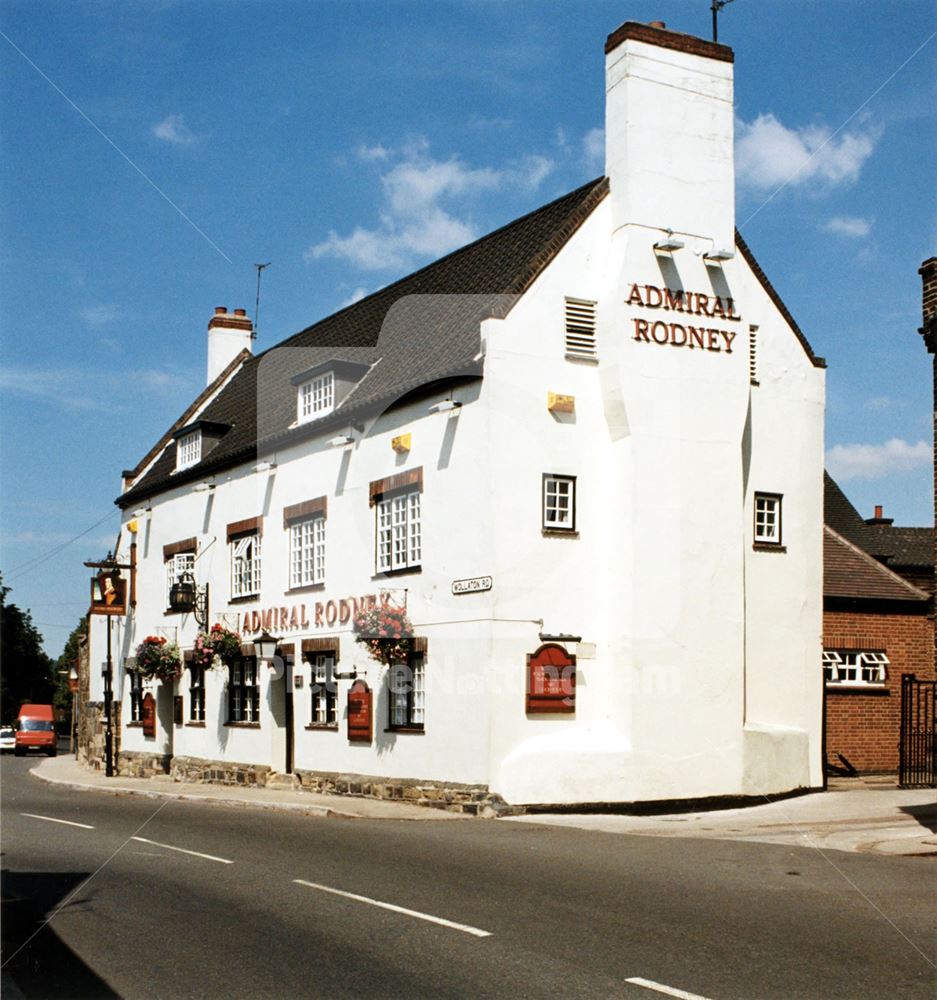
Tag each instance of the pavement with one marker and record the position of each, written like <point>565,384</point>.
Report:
<point>866,815</point>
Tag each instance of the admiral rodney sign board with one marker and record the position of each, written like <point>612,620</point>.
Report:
<point>689,334</point>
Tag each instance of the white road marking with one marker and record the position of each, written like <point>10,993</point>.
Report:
<point>52,819</point>
<point>397,909</point>
<point>182,850</point>
<point>649,984</point>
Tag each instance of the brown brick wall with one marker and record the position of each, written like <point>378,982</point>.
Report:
<point>863,724</point>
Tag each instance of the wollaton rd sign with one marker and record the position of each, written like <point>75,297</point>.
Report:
<point>474,585</point>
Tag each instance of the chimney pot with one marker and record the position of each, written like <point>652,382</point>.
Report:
<point>656,24</point>
<point>878,511</point>
<point>240,312</point>
<point>220,309</point>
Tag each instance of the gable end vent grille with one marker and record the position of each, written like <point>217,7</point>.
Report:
<point>580,329</point>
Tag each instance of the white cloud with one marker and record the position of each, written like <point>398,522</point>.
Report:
<point>768,154</point>
<point>848,225</point>
<point>875,461</point>
<point>593,148</point>
<point>98,316</point>
<point>425,200</point>
<point>174,129</point>
<point>371,153</point>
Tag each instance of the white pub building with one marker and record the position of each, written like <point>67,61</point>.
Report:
<point>584,453</point>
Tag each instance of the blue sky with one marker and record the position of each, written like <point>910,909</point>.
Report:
<point>349,142</point>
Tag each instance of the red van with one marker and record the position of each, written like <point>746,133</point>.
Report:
<point>35,730</point>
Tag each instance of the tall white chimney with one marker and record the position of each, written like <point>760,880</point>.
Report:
<point>228,335</point>
<point>669,132</point>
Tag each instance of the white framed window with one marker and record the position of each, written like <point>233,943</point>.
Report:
<point>189,450</point>
<point>176,567</point>
<point>307,552</point>
<point>245,565</point>
<point>136,696</point>
<point>315,397</point>
<point>196,693</point>
<point>406,683</point>
<point>559,502</point>
<point>399,539</point>
<point>855,668</point>
<point>768,518</point>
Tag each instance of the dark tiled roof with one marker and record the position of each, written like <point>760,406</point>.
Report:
<point>850,572</point>
<point>904,547</point>
<point>432,336</point>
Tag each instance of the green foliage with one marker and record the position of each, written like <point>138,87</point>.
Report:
<point>68,658</point>
<point>25,670</point>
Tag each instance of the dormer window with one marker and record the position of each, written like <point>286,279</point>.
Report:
<point>195,441</point>
<point>189,450</point>
<point>316,397</point>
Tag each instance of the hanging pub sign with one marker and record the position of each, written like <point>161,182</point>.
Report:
<point>551,681</point>
<point>148,714</point>
<point>360,713</point>
<point>108,594</point>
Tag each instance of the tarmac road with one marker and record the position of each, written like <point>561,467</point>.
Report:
<point>166,898</point>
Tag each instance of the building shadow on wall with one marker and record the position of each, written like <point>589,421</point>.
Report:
<point>46,966</point>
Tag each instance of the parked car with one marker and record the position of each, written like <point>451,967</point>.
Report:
<point>35,730</point>
<point>7,739</point>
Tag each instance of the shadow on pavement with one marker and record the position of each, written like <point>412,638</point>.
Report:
<point>925,814</point>
<point>46,966</point>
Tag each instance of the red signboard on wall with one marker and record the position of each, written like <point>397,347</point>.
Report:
<point>360,713</point>
<point>148,714</point>
<point>551,680</point>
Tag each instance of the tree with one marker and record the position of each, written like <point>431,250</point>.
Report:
<point>25,670</point>
<point>68,659</point>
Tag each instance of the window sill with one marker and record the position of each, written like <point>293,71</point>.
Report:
<point>768,547</point>
<point>310,588</point>
<point>323,727</point>
<point>195,725</point>
<point>847,688</point>
<point>135,725</point>
<point>380,575</point>
<point>248,599</point>
<point>243,725</point>
<point>407,730</point>
<point>581,359</point>
<point>559,532</point>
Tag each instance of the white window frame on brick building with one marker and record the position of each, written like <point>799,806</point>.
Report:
<point>315,397</point>
<point>854,667</point>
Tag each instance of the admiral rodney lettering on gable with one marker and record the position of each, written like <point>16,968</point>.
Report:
<point>690,303</point>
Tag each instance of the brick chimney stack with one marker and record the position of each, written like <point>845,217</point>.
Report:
<point>928,273</point>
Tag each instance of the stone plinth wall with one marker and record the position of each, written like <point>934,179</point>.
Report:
<point>90,735</point>
<point>136,764</point>
<point>219,772</point>
<point>476,800</point>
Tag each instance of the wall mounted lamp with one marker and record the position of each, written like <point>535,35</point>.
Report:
<point>669,242</point>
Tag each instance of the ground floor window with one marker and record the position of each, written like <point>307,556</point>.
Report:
<point>323,690</point>
<point>136,696</point>
<point>243,691</point>
<point>407,689</point>
<point>854,666</point>
<point>196,694</point>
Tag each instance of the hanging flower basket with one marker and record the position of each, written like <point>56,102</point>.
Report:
<point>218,642</point>
<point>386,632</point>
<point>157,657</point>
